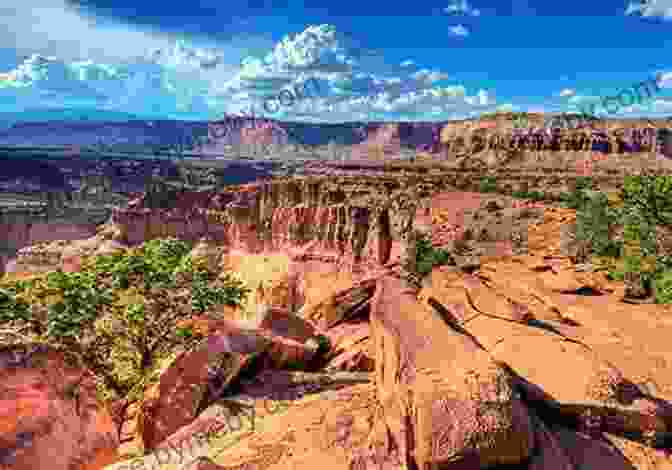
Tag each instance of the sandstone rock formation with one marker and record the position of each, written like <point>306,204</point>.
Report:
<point>433,410</point>
<point>520,360</point>
<point>633,140</point>
<point>361,218</point>
<point>182,388</point>
<point>460,389</point>
<point>467,150</point>
<point>340,217</point>
<point>500,134</point>
<point>50,415</point>
<point>380,141</point>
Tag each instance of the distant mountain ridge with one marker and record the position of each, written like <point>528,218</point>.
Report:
<point>230,130</point>
<point>212,137</point>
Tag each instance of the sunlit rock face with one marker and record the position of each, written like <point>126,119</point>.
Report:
<point>385,141</point>
<point>550,134</point>
<point>331,219</point>
<point>49,404</point>
<point>342,220</point>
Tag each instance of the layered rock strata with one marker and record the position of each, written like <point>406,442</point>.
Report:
<point>214,213</point>
<point>334,211</point>
<point>609,141</point>
<point>346,216</point>
<point>360,217</point>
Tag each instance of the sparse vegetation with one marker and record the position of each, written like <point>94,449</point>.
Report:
<point>427,256</point>
<point>664,288</point>
<point>594,219</point>
<point>488,184</point>
<point>534,195</point>
<point>573,199</point>
<point>120,314</point>
<point>643,204</point>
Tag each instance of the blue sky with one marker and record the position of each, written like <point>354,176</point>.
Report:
<point>374,60</point>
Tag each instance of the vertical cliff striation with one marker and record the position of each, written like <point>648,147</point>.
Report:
<point>326,218</point>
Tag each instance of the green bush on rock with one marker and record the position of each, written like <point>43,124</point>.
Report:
<point>664,288</point>
<point>594,218</point>
<point>575,198</point>
<point>120,313</point>
<point>488,184</point>
<point>651,196</point>
<point>427,256</point>
<point>644,203</point>
<point>533,195</point>
<point>11,307</point>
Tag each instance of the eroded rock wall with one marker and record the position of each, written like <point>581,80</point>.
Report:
<point>19,233</point>
<point>357,217</point>
<point>608,140</point>
<point>343,216</point>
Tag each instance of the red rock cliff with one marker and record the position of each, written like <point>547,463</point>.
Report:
<point>344,217</point>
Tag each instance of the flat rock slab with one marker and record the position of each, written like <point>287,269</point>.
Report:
<point>442,388</point>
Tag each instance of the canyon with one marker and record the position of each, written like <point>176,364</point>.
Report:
<point>433,372</point>
<point>420,371</point>
<point>211,138</point>
<point>99,198</point>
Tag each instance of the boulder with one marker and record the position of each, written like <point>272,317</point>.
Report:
<point>281,322</point>
<point>280,351</point>
<point>499,319</point>
<point>443,398</point>
<point>352,347</point>
<point>331,298</point>
<point>192,380</point>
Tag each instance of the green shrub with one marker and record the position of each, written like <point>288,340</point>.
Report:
<point>644,202</point>
<point>594,219</point>
<point>155,260</point>
<point>427,256</point>
<point>205,295</point>
<point>488,184</point>
<point>575,198</point>
<point>616,274</point>
<point>11,307</point>
<point>120,313</point>
<point>664,288</point>
<point>534,195</point>
<point>652,196</point>
<point>81,298</point>
<point>663,263</point>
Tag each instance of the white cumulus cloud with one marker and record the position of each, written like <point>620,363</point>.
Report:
<point>55,28</point>
<point>651,8</point>
<point>462,7</point>
<point>186,80</point>
<point>459,30</point>
<point>664,79</point>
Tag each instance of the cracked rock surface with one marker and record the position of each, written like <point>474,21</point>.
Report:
<point>521,361</point>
